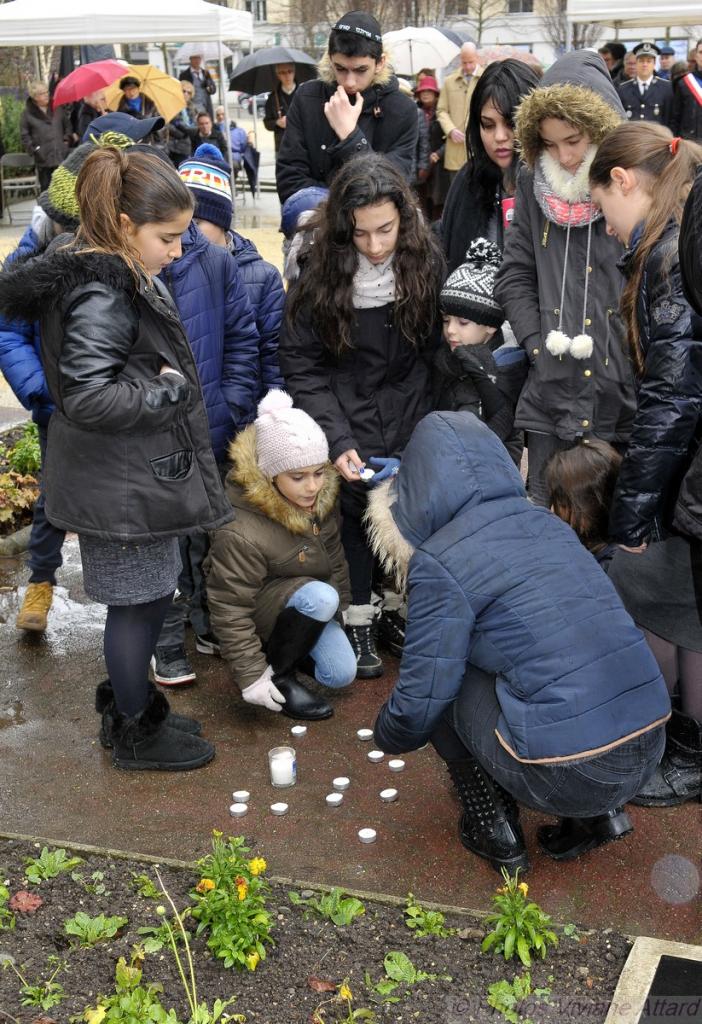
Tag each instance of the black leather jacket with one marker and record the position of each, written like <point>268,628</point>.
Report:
<point>669,400</point>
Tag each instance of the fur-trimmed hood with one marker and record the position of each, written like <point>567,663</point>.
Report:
<point>384,79</point>
<point>34,285</point>
<point>577,89</point>
<point>247,487</point>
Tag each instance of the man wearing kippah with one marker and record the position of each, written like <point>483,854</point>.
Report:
<point>354,107</point>
<point>647,97</point>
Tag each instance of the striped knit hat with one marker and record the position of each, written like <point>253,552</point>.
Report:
<point>468,291</point>
<point>207,176</point>
<point>59,200</point>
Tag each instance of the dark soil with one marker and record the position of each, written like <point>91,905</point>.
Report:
<point>582,972</point>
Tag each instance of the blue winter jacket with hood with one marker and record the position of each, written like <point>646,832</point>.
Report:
<point>267,297</point>
<point>507,586</point>
<point>219,323</point>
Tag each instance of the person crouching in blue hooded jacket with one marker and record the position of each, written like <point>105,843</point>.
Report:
<point>520,663</point>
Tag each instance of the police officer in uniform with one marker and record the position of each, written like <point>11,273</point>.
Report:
<point>647,97</point>
<point>665,63</point>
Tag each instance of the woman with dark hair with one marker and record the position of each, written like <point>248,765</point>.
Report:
<point>355,349</point>
<point>480,199</point>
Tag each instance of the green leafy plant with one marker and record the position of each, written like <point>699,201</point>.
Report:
<point>571,932</point>
<point>155,937</point>
<point>49,864</point>
<point>333,906</point>
<point>145,886</point>
<point>230,903</point>
<point>17,495</point>
<point>425,922</point>
<point>25,455</point>
<point>400,972</point>
<point>11,109</point>
<point>45,993</point>
<point>96,887</point>
<point>7,918</point>
<point>519,926</point>
<point>130,1003</point>
<point>91,930</point>
<point>506,997</point>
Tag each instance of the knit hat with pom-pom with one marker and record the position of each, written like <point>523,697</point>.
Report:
<point>468,291</point>
<point>287,438</point>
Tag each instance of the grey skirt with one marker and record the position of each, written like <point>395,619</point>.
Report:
<point>662,589</point>
<point>125,574</point>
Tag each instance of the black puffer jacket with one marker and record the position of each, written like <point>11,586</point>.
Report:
<point>371,396</point>
<point>669,407</point>
<point>129,448</point>
<point>310,151</point>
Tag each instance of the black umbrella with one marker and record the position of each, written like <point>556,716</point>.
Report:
<point>457,37</point>
<point>256,73</point>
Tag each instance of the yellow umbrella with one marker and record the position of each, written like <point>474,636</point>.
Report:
<point>163,91</point>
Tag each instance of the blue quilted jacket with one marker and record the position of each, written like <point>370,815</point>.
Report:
<point>506,585</point>
<point>219,322</point>
<point>267,296</point>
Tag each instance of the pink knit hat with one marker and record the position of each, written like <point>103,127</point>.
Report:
<point>287,438</point>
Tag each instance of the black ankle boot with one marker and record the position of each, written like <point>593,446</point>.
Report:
<point>490,825</point>
<point>572,837</point>
<point>105,706</point>
<point>299,702</point>
<point>146,742</point>
<point>678,778</point>
<point>361,631</point>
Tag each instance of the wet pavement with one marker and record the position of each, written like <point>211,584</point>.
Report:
<point>58,783</point>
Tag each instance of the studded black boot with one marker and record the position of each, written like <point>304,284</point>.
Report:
<point>490,824</point>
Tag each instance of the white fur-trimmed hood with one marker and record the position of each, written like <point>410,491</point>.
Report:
<point>384,534</point>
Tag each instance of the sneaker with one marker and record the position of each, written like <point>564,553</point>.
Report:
<point>391,632</point>
<point>34,612</point>
<point>362,640</point>
<point>206,643</point>
<point>171,667</point>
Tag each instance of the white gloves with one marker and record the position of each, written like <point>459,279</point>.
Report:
<point>264,692</point>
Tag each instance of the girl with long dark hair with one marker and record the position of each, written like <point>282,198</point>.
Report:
<point>481,195</point>
<point>355,349</point>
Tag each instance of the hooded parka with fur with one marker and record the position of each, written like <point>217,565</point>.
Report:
<point>311,151</point>
<point>129,456</point>
<point>555,279</point>
<point>258,561</point>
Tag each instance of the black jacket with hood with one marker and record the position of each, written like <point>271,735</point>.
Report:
<point>129,455</point>
<point>565,396</point>
<point>310,151</point>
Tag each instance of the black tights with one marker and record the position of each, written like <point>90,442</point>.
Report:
<point>131,632</point>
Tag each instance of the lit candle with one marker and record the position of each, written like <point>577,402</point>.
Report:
<point>341,783</point>
<point>365,734</point>
<point>241,796</point>
<point>238,810</point>
<point>283,766</point>
<point>279,809</point>
<point>334,799</point>
<point>375,756</point>
<point>367,835</point>
<point>396,765</point>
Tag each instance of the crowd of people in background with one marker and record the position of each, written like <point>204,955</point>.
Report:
<point>469,435</point>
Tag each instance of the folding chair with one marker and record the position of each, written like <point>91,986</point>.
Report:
<point>11,184</point>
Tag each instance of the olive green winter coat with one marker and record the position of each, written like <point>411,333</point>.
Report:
<point>270,550</point>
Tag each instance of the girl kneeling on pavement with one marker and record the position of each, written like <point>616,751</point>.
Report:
<point>129,465</point>
<point>520,663</point>
<point>355,351</point>
<point>277,577</point>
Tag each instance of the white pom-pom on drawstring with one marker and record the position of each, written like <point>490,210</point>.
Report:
<point>557,343</point>
<point>275,401</point>
<point>581,346</point>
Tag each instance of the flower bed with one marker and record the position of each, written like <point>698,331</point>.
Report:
<point>105,932</point>
<point>19,464</point>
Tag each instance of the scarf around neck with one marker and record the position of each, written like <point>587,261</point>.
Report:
<point>373,283</point>
<point>565,198</point>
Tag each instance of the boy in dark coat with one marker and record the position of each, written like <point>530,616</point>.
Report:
<point>355,106</point>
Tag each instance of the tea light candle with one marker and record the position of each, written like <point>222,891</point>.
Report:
<point>367,835</point>
<point>334,799</point>
<point>388,796</point>
<point>365,734</point>
<point>375,756</point>
<point>283,766</point>
<point>279,809</point>
<point>396,765</point>
<point>298,731</point>
<point>341,783</point>
<point>367,474</point>
<point>238,810</point>
<point>241,796</point>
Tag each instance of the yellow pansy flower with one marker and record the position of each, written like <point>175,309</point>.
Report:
<point>345,992</point>
<point>257,866</point>
<point>95,1016</point>
<point>253,960</point>
<point>204,885</point>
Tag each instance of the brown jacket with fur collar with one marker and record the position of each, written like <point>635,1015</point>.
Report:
<point>257,562</point>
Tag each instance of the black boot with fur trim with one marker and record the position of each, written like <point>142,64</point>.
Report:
<point>490,825</point>
<point>145,742</point>
<point>292,639</point>
<point>105,706</point>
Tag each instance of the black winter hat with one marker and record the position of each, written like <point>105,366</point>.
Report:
<point>468,291</point>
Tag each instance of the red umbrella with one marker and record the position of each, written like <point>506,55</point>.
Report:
<point>88,78</point>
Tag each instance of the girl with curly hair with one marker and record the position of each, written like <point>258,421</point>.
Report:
<point>355,349</point>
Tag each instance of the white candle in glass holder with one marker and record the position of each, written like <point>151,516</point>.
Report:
<point>283,766</point>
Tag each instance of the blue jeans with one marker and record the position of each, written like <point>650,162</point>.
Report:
<point>334,660</point>
<point>45,540</point>
<point>575,789</point>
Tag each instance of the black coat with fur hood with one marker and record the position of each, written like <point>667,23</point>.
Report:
<point>129,455</point>
<point>257,562</point>
<point>310,151</point>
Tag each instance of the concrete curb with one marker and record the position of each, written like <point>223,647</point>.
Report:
<point>635,980</point>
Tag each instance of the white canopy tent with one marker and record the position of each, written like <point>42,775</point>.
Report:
<point>634,13</point>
